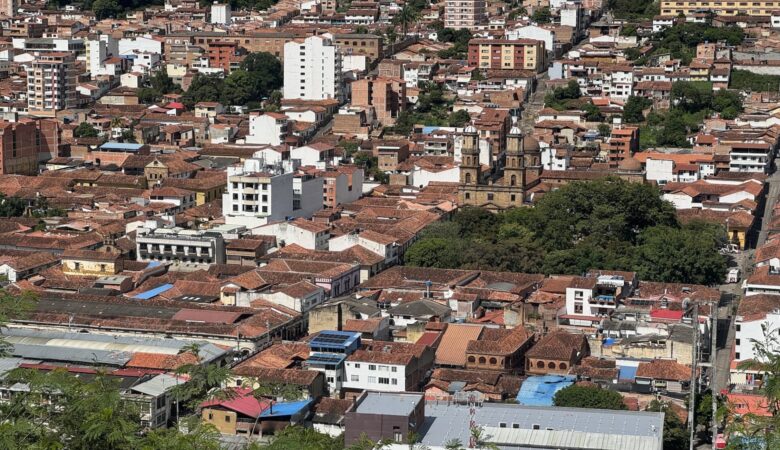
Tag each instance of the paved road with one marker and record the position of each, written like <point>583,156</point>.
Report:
<point>534,105</point>
<point>771,200</point>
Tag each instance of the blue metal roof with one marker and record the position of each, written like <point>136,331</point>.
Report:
<point>540,390</point>
<point>124,146</point>
<point>153,292</point>
<point>336,340</point>
<point>285,408</point>
<point>627,373</point>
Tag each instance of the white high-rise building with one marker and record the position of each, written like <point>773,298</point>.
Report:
<point>220,13</point>
<point>312,69</point>
<point>258,193</point>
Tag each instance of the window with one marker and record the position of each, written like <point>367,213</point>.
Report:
<point>394,369</point>
<point>354,378</point>
<point>578,308</point>
<point>383,368</point>
<point>736,356</point>
<point>357,365</point>
<point>515,425</point>
<point>737,341</point>
<point>372,379</point>
<point>739,327</point>
<point>536,427</point>
<point>490,196</point>
<point>383,380</point>
<point>211,416</point>
<point>77,266</point>
<point>394,381</point>
<point>371,367</point>
<point>102,267</point>
<point>501,424</point>
<point>227,419</point>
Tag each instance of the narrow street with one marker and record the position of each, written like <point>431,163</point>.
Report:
<point>771,200</point>
<point>534,105</point>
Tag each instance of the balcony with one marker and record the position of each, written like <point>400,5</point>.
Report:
<point>603,300</point>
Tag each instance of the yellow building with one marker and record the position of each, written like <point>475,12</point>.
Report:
<point>721,8</point>
<point>90,263</point>
<point>510,54</point>
<point>504,186</point>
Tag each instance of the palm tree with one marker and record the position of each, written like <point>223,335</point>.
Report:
<point>453,444</point>
<point>480,439</point>
<point>406,16</point>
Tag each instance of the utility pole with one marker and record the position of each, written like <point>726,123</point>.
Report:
<point>692,402</point>
<point>713,367</point>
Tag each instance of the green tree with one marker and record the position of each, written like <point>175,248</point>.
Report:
<point>267,70</point>
<point>299,438</point>
<point>204,381</point>
<point>675,432</point>
<point>85,130</point>
<point>633,110</point>
<point>742,80</point>
<point>691,96</point>
<point>434,252</point>
<point>595,397</point>
<point>239,88</point>
<point>682,255</point>
<point>542,15</point>
<point>727,103</point>
<point>407,15</point>
<point>604,129</point>
<point>592,113</point>
<point>104,9</point>
<point>204,88</point>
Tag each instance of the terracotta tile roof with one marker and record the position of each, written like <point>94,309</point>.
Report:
<point>280,355</point>
<point>499,341</point>
<point>756,307</point>
<point>161,361</point>
<point>298,377</point>
<point>381,357</point>
<point>663,369</point>
<point>362,325</point>
<point>763,276</point>
<point>558,345</point>
<point>331,410</point>
<point>452,348</point>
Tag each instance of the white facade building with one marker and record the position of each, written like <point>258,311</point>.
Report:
<point>373,376</point>
<point>312,69</point>
<point>533,32</point>
<point>307,234</point>
<point>139,44</point>
<point>220,13</point>
<point>267,128</point>
<point>258,194</point>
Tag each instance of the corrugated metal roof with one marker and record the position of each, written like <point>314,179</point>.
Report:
<point>46,353</point>
<point>570,439</point>
<point>157,385</point>
<point>285,408</point>
<point>154,292</point>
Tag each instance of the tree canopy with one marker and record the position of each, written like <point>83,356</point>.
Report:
<point>607,224</point>
<point>85,130</point>
<point>257,77</point>
<point>576,396</point>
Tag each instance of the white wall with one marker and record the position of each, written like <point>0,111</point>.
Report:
<point>421,177</point>
<point>749,331</point>
<point>312,69</point>
<point>659,170</point>
<point>369,379</point>
<point>139,45</point>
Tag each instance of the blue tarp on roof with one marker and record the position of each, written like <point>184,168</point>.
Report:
<point>153,292</point>
<point>285,408</point>
<point>429,129</point>
<point>152,264</point>
<point>540,390</point>
<point>627,373</point>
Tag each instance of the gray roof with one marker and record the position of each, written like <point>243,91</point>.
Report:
<point>570,427</point>
<point>390,404</point>
<point>115,348</point>
<point>420,308</point>
<point>157,385</point>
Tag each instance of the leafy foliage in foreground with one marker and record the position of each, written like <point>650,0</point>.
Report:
<point>576,396</point>
<point>607,224</point>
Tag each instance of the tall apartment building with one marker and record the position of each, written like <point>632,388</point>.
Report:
<point>386,95</point>
<point>51,83</point>
<point>721,8</point>
<point>512,54</point>
<point>464,13</point>
<point>19,144</point>
<point>258,193</point>
<point>220,13</point>
<point>312,69</point>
